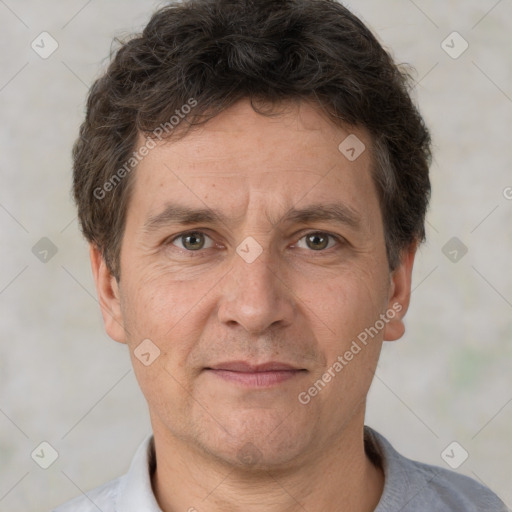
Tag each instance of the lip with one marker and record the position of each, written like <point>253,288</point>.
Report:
<point>255,375</point>
<point>246,367</point>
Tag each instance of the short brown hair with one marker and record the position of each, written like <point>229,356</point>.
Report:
<point>217,52</point>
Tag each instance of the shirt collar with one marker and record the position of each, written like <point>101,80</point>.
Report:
<point>135,490</point>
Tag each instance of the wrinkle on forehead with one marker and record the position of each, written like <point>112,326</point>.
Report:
<point>243,160</point>
<point>240,175</point>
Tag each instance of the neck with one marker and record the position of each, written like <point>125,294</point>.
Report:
<point>340,478</point>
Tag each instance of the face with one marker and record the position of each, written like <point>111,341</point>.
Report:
<point>286,267</point>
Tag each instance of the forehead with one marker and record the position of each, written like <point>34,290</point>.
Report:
<point>241,158</point>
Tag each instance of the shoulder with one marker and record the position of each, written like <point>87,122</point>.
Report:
<point>452,491</point>
<point>101,498</point>
<point>414,486</point>
<point>131,491</point>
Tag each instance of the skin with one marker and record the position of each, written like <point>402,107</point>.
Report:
<point>221,446</point>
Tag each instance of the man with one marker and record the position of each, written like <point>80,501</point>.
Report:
<point>253,179</point>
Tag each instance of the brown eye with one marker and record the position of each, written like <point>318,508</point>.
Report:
<point>317,241</point>
<point>191,241</point>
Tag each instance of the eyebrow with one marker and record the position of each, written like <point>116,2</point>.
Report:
<point>185,215</point>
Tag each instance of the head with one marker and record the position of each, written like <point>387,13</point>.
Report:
<point>292,130</point>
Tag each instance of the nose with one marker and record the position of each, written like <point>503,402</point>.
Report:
<point>256,295</point>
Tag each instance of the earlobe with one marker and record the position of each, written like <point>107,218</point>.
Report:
<point>400,294</point>
<point>108,296</point>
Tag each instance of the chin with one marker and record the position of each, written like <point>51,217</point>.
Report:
<point>261,446</point>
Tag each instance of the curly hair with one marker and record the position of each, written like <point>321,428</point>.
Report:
<point>213,53</point>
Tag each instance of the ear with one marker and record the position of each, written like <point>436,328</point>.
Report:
<point>108,296</point>
<point>400,294</point>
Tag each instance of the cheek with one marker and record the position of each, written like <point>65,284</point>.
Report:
<point>350,309</point>
<point>164,312</point>
<point>348,302</point>
<point>169,312</point>
<point>158,301</point>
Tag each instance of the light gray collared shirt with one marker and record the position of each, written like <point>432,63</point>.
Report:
<point>409,486</point>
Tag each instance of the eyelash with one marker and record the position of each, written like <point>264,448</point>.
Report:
<point>339,240</point>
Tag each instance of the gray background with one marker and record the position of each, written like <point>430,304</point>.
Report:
<point>62,380</point>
